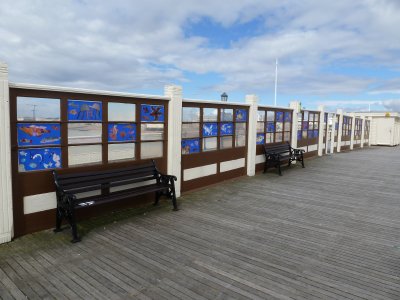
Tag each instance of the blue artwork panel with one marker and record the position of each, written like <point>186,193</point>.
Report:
<point>190,146</point>
<point>279,116</point>
<point>121,132</point>
<point>288,116</point>
<point>152,113</point>
<point>316,132</point>
<point>80,110</point>
<point>226,128</point>
<point>39,159</point>
<point>260,139</point>
<point>210,129</point>
<point>38,134</point>
<point>336,126</point>
<point>270,127</point>
<point>305,125</point>
<point>299,134</point>
<point>241,115</point>
<point>310,134</point>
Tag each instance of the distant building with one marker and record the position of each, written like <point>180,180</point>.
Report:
<point>385,127</point>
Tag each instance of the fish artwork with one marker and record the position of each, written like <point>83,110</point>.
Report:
<point>34,130</point>
<point>114,132</point>
<point>50,140</point>
<point>25,141</point>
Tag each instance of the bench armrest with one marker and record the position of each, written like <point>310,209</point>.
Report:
<point>169,177</point>
<point>298,151</point>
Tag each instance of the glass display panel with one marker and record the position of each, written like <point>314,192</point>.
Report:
<point>269,138</point>
<point>38,109</point>
<point>305,116</point>
<point>39,159</point>
<point>304,134</point>
<point>190,146</point>
<point>226,115</point>
<point>260,127</point>
<point>226,128</point>
<point>151,150</point>
<point>279,116</point>
<point>190,130</point>
<point>151,132</point>
<point>286,137</point>
<point>279,126</point>
<point>240,129</point>
<point>278,137</point>
<point>118,152</point>
<point>121,112</point>
<point>152,113</point>
<point>210,129</point>
<point>226,142</point>
<point>210,144</point>
<point>260,138</point>
<point>288,116</point>
<point>82,110</point>
<point>83,155</point>
<point>270,126</point>
<point>84,133</point>
<point>270,116</point>
<point>121,132</point>
<point>287,126</point>
<point>38,134</point>
<point>190,114</point>
<point>210,114</point>
<point>241,115</point>
<point>261,115</point>
<point>240,141</point>
<point>310,134</point>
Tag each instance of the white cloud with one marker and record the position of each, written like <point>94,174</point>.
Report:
<point>126,45</point>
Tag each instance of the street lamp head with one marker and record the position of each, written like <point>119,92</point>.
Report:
<point>224,97</point>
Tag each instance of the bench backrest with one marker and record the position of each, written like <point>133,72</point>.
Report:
<point>281,148</point>
<point>89,181</point>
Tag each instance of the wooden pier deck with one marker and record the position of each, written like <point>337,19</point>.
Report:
<point>329,231</point>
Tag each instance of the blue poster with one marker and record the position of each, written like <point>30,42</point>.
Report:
<point>226,128</point>
<point>152,113</point>
<point>270,127</point>
<point>279,116</point>
<point>190,146</point>
<point>260,139</point>
<point>210,129</point>
<point>316,132</point>
<point>310,134</point>
<point>38,134</point>
<point>241,115</point>
<point>299,134</point>
<point>121,132</point>
<point>80,110</point>
<point>288,116</point>
<point>39,159</point>
<point>305,125</point>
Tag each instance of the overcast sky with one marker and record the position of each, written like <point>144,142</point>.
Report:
<point>341,53</point>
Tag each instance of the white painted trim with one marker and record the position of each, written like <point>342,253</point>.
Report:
<point>252,100</point>
<point>294,105</point>
<point>353,126</point>
<point>6,212</point>
<point>193,173</point>
<point>39,202</point>
<point>174,93</point>
<point>83,91</point>
<point>321,145</point>
<point>215,102</point>
<point>339,113</point>
<point>313,148</point>
<point>232,164</point>
<point>260,159</point>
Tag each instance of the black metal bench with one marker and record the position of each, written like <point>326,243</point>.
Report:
<point>276,154</point>
<point>68,187</point>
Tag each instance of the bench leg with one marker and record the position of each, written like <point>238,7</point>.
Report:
<point>59,217</point>
<point>290,162</point>
<point>158,194</point>
<point>302,161</point>
<point>173,194</point>
<point>75,237</point>
<point>279,169</point>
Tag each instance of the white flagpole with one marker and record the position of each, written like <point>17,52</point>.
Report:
<point>276,78</point>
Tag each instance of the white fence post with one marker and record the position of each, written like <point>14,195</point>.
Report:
<point>321,132</point>
<point>252,134</point>
<point>6,213</point>
<point>362,131</point>
<point>296,109</point>
<point>339,112</point>
<point>353,127</point>
<point>174,133</point>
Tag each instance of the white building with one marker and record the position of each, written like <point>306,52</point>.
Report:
<point>385,127</point>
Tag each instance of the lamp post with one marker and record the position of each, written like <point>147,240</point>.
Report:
<point>224,97</point>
